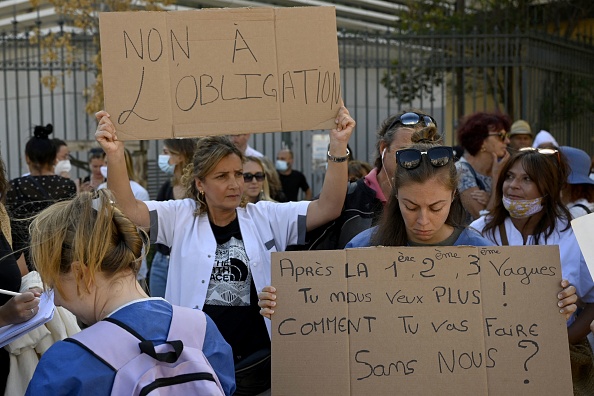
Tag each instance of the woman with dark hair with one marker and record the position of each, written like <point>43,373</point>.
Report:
<point>28,195</point>
<point>424,208</point>
<point>529,211</point>
<point>366,198</point>
<point>177,154</point>
<point>63,165</point>
<point>96,160</point>
<point>484,139</point>
<point>12,309</point>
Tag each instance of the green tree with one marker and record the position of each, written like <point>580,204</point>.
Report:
<point>449,38</point>
<point>83,16</point>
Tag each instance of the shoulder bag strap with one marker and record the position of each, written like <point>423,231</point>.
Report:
<point>583,207</point>
<point>479,182</point>
<point>503,235</point>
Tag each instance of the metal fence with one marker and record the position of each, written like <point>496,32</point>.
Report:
<point>543,79</point>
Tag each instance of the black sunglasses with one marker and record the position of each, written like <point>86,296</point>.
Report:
<point>411,158</point>
<point>248,177</point>
<point>502,135</point>
<point>412,119</point>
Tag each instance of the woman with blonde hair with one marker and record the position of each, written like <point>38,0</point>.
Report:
<point>89,253</point>
<point>256,183</point>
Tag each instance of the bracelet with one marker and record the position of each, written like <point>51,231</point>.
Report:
<point>339,159</point>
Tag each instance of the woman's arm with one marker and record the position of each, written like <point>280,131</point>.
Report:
<point>581,327</point>
<point>117,175</point>
<point>20,308</point>
<point>329,205</point>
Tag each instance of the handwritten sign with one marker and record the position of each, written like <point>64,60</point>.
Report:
<point>440,320</point>
<point>220,71</point>
<point>582,228</point>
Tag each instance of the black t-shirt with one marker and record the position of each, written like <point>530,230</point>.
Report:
<point>231,300</point>
<point>292,183</point>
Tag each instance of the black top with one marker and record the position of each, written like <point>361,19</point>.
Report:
<point>292,183</point>
<point>232,301</point>
<point>10,279</point>
<point>28,196</point>
<point>165,194</point>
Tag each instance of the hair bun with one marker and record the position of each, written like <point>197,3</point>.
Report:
<point>428,135</point>
<point>42,132</point>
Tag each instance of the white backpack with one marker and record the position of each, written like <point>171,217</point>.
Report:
<point>176,367</point>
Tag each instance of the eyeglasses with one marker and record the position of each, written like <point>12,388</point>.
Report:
<point>412,119</point>
<point>438,156</point>
<point>502,135</point>
<point>545,151</point>
<point>248,177</point>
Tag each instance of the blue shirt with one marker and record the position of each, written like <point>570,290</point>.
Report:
<point>68,369</point>
<point>468,237</point>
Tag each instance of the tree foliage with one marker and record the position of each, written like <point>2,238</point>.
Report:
<point>83,16</point>
<point>466,34</point>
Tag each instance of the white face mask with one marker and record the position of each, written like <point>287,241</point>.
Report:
<point>62,166</point>
<point>164,164</point>
<point>522,208</point>
<point>103,170</point>
<point>281,165</point>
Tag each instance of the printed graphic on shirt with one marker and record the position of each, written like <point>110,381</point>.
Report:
<point>231,278</point>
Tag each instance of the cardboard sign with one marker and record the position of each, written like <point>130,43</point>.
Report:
<point>582,228</point>
<point>220,71</point>
<point>439,320</point>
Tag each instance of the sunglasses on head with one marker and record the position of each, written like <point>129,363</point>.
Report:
<point>545,151</point>
<point>502,135</point>
<point>411,158</point>
<point>248,177</point>
<point>411,119</point>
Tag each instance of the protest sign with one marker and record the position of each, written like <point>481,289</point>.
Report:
<point>582,228</point>
<point>432,320</point>
<point>220,71</point>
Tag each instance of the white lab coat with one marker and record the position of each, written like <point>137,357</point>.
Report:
<point>266,227</point>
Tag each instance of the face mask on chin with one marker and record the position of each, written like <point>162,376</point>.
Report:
<point>522,208</point>
<point>164,164</point>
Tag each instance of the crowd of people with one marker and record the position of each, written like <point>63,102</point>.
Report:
<point>226,207</point>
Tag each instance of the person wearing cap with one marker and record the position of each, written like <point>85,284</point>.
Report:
<point>520,135</point>
<point>578,194</point>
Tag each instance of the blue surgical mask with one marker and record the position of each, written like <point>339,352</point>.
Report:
<point>281,165</point>
<point>164,164</point>
<point>103,170</point>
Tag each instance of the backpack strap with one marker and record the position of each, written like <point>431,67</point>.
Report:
<point>115,354</point>
<point>583,207</point>
<point>188,324</point>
